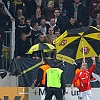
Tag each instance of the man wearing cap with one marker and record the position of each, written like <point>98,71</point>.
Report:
<point>54,82</point>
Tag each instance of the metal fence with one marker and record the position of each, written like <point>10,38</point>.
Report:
<point>6,50</point>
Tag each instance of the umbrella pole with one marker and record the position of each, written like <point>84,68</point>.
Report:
<point>83,50</point>
<point>41,54</point>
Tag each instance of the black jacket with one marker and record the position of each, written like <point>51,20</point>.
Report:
<point>68,25</point>
<point>3,18</point>
<point>22,47</point>
<point>81,14</point>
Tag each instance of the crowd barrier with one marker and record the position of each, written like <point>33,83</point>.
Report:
<point>6,51</point>
<point>27,93</point>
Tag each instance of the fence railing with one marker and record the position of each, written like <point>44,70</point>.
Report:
<point>6,50</point>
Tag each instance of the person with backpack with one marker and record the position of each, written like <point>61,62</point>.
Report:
<point>84,77</point>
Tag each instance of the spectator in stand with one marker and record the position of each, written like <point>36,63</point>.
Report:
<point>58,20</point>
<point>98,27</point>
<point>68,5</point>
<point>71,24</point>
<point>43,27</point>
<point>64,15</point>
<point>3,17</point>
<point>37,17</point>
<point>59,4</point>
<point>22,46</point>
<point>8,4</point>
<point>41,39</point>
<point>18,16</point>
<point>28,22</point>
<point>1,42</point>
<point>22,28</point>
<point>57,33</point>
<point>19,4</point>
<point>94,8</point>
<point>35,32</point>
<point>31,7</point>
<point>50,37</point>
<point>79,12</point>
<point>51,24</point>
<point>48,12</point>
<point>96,21</point>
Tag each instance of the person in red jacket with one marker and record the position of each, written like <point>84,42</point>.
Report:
<point>84,77</point>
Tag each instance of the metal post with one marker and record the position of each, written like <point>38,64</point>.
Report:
<point>12,41</point>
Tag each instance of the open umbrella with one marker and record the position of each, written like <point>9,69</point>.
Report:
<point>79,43</point>
<point>45,47</point>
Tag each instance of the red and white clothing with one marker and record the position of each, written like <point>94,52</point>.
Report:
<point>85,86</point>
<point>84,77</point>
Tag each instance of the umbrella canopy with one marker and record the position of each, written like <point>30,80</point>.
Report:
<point>46,47</point>
<point>79,43</point>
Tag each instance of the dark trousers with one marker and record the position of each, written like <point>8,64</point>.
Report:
<point>50,93</point>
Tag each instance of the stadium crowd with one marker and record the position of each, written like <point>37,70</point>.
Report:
<point>41,21</point>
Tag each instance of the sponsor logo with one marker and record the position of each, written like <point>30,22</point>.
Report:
<point>86,50</point>
<point>63,42</point>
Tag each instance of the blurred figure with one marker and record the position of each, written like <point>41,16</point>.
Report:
<point>35,32</point>
<point>18,16</point>
<point>96,21</point>
<point>40,82</point>
<point>50,36</point>
<point>43,27</point>
<point>94,8</point>
<point>28,22</point>
<point>55,84</point>
<point>41,39</point>
<point>22,28</point>
<point>58,20</point>
<point>37,17</point>
<point>64,15</point>
<point>57,33</point>
<point>31,7</point>
<point>22,46</point>
<point>52,24</point>
<point>19,4</point>
<point>71,24</point>
<point>48,12</point>
<point>3,17</point>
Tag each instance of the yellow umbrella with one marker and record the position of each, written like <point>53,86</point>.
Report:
<point>79,43</point>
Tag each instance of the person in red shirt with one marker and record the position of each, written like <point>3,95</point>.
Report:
<point>84,77</point>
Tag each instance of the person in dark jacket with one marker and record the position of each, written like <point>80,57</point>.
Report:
<point>79,12</point>
<point>41,39</point>
<point>3,17</point>
<point>58,19</point>
<point>40,82</point>
<point>37,17</point>
<point>19,4</point>
<point>54,82</point>
<point>22,46</point>
<point>31,7</point>
<point>71,24</point>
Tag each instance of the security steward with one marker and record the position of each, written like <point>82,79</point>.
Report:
<point>54,82</point>
<point>40,82</point>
